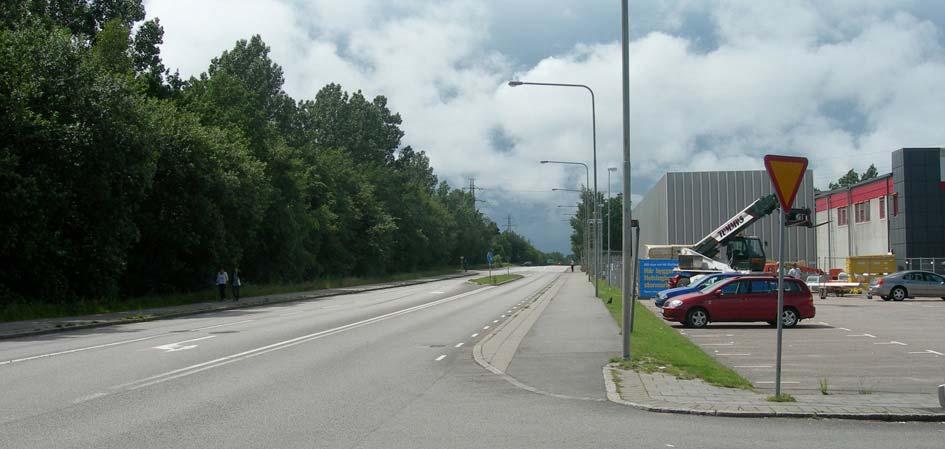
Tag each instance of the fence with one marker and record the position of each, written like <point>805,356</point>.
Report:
<point>933,264</point>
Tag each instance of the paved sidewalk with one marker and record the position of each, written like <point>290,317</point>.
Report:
<point>664,393</point>
<point>45,326</point>
<point>569,343</point>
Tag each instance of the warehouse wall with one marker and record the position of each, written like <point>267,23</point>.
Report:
<point>698,202</point>
<point>652,212</point>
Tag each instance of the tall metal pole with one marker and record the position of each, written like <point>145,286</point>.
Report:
<point>626,288</point>
<point>609,250</point>
<point>777,369</point>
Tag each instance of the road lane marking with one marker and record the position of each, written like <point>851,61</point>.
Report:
<point>474,335</point>
<point>436,293</point>
<point>174,347</point>
<point>485,328</point>
<point>495,321</point>
<point>844,329</point>
<point>861,335</point>
<point>88,397</point>
<point>116,343</point>
<point>458,344</point>
<point>892,343</point>
<point>199,367</point>
<point>441,357</point>
<point>221,325</point>
<point>501,316</point>
<point>825,324</point>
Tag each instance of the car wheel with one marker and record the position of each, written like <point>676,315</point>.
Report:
<point>885,298</point>
<point>697,318</point>
<point>789,318</point>
<point>898,294</point>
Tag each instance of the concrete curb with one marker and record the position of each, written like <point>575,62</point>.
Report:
<point>229,306</point>
<point>500,283</point>
<point>664,407</point>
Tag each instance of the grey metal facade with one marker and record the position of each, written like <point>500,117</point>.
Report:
<point>684,207</point>
<point>918,231</point>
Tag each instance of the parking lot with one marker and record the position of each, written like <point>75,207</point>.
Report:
<point>854,345</point>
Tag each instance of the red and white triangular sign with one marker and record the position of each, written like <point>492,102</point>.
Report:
<point>786,173</point>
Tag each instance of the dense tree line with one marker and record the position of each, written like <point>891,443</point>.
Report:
<point>611,213</point>
<point>118,177</point>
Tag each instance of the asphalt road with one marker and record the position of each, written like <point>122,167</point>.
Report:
<point>384,369</point>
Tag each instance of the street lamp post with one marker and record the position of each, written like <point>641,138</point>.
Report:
<point>609,250</point>
<point>595,264</point>
<point>597,238</point>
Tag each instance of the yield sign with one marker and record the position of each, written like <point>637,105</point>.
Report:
<point>786,173</point>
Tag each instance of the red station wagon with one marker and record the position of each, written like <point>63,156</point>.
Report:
<point>748,298</point>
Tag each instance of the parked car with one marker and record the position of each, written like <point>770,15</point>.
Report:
<point>907,284</point>
<point>696,283</point>
<point>679,279</point>
<point>746,298</point>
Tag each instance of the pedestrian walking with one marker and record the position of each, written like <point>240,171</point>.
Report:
<point>236,283</point>
<point>572,265</point>
<point>222,279</point>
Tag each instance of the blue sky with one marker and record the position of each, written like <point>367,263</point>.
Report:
<point>714,84</point>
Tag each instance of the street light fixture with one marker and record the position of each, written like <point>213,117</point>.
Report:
<point>516,83</point>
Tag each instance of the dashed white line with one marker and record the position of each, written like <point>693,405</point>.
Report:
<point>474,335</point>
<point>861,335</point>
<point>844,329</point>
<point>892,343</point>
<point>458,344</point>
<point>441,357</point>
<point>485,327</point>
<point>495,321</point>
<point>501,316</point>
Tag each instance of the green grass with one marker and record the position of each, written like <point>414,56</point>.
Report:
<point>496,279</point>
<point>39,310</point>
<point>656,347</point>
<point>783,398</point>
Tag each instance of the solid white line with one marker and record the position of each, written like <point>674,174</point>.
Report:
<point>187,341</point>
<point>485,327</point>
<point>458,344</point>
<point>196,368</point>
<point>934,352</point>
<point>441,357</point>
<point>474,335</point>
<point>41,356</point>
<point>221,325</point>
<point>116,343</point>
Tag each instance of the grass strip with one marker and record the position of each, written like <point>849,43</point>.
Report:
<point>496,279</point>
<point>40,310</point>
<point>656,347</point>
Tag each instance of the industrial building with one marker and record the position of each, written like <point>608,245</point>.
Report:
<point>683,207</point>
<point>900,213</point>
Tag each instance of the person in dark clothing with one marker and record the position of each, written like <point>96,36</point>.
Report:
<point>572,265</point>
<point>235,283</point>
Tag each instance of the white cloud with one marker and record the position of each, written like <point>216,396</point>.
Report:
<point>843,82</point>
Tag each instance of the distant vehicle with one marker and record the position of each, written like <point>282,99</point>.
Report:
<point>679,279</point>
<point>907,284</point>
<point>696,283</point>
<point>746,298</point>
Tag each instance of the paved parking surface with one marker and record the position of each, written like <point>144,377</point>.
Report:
<point>859,346</point>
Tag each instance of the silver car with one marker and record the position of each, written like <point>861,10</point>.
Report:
<point>907,284</point>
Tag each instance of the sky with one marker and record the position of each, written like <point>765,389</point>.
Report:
<point>714,85</point>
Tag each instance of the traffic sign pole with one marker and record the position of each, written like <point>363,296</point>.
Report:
<point>777,365</point>
<point>786,173</point>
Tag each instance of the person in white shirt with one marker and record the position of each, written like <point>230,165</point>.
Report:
<point>236,284</point>
<point>794,272</point>
<point>222,278</point>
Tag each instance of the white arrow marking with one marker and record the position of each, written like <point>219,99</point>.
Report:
<point>174,347</point>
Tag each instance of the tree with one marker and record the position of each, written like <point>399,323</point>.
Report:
<point>852,178</point>
<point>870,173</point>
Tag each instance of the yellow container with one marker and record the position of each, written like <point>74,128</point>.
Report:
<point>871,266</point>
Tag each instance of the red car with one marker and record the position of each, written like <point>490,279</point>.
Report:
<point>747,298</point>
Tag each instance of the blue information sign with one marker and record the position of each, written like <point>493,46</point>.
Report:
<point>653,275</point>
<point>489,257</point>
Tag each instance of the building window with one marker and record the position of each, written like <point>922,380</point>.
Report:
<point>895,207</point>
<point>842,216</point>
<point>861,212</point>
<point>882,207</point>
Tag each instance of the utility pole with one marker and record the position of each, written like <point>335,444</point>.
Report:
<point>508,227</point>
<point>472,190</point>
<point>627,287</point>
